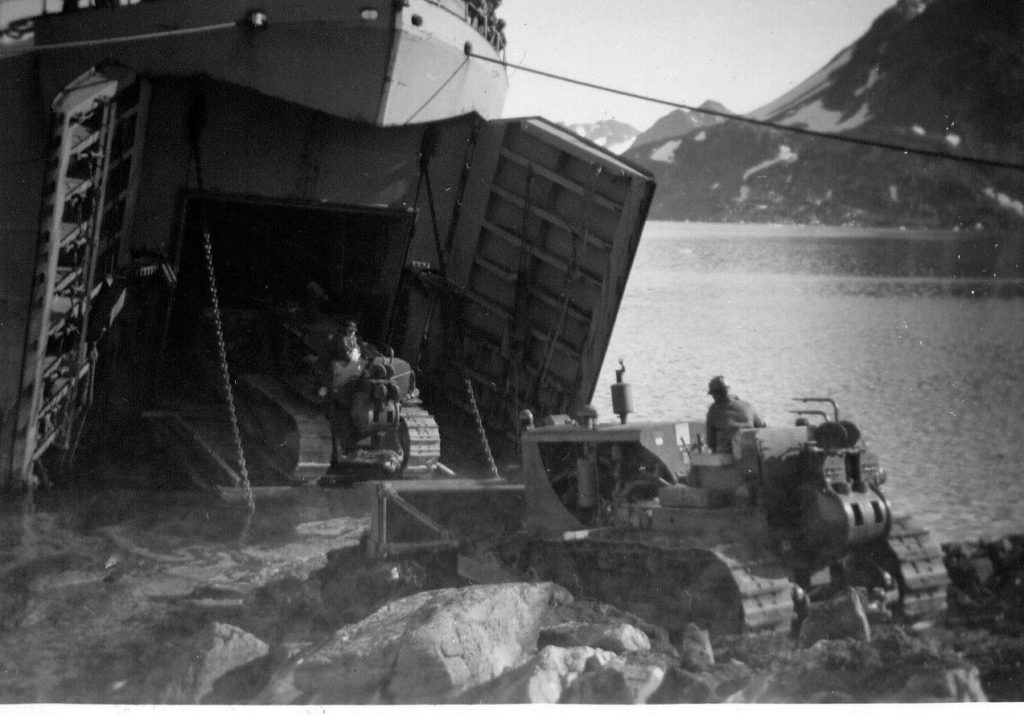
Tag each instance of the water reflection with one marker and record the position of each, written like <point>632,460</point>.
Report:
<point>875,253</point>
<point>930,288</point>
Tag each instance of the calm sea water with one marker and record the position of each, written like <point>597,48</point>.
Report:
<point>918,336</point>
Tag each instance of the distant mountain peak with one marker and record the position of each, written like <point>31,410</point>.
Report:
<point>910,9</point>
<point>680,122</point>
<point>614,135</point>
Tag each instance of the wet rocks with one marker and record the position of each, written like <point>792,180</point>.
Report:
<point>842,616</point>
<point>715,684</point>
<point>213,652</point>
<point>960,685</point>
<point>369,632</point>
<point>282,610</point>
<point>615,637</point>
<point>424,648</point>
<point>696,648</point>
<point>352,587</point>
<point>894,667</point>
<point>593,612</point>
<point>620,681</point>
<point>505,643</point>
<point>986,582</point>
<point>542,679</point>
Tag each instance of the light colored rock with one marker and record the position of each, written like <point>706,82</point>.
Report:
<point>617,682</point>
<point>756,690</point>
<point>842,616</point>
<point>280,691</point>
<point>730,682</point>
<point>429,647</point>
<point>962,685</point>
<point>544,677</point>
<point>616,637</point>
<point>214,651</point>
<point>696,650</point>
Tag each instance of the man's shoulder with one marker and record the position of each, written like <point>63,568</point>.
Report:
<point>739,405</point>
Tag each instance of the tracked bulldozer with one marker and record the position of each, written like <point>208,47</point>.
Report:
<point>640,515</point>
<point>335,409</point>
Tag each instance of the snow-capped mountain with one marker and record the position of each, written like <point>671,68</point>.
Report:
<point>946,76</point>
<point>613,135</point>
<point>681,122</point>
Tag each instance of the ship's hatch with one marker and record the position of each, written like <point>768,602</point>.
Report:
<point>267,255</point>
<point>549,228</point>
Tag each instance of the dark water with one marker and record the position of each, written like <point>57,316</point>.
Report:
<point>919,337</point>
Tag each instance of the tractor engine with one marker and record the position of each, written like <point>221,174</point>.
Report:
<point>819,496</point>
<point>364,409</point>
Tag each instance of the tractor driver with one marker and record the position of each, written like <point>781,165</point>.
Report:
<point>343,353</point>
<point>727,415</point>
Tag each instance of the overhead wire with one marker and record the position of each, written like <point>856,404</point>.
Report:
<point>136,38</point>
<point>847,138</point>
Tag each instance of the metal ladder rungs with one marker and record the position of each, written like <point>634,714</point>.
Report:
<point>78,162</point>
<point>66,277</point>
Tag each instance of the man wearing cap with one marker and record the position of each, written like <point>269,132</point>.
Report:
<point>727,415</point>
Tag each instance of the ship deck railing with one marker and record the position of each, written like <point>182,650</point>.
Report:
<point>477,15</point>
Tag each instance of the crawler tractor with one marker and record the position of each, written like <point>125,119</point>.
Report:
<point>640,515</point>
<point>320,415</point>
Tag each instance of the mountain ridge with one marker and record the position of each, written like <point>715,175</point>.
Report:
<point>944,75</point>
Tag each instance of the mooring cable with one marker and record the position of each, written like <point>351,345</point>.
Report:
<point>849,139</point>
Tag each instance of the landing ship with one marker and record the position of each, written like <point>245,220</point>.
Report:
<point>151,150</point>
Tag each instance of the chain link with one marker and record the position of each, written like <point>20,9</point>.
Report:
<point>225,374</point>
<point>483,435</point>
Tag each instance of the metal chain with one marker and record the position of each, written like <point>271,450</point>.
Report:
<point>480,428</point>
<point>225,374</point>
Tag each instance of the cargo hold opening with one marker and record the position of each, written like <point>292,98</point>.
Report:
<point>266,254</point>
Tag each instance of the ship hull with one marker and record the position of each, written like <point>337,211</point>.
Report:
<point>373,61</point>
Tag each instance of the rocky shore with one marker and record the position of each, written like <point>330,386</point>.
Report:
<point>299,616</point>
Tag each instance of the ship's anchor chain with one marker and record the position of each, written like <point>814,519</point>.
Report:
<point>225,373</point>
<point>492,467</point>
<point>196,119</point>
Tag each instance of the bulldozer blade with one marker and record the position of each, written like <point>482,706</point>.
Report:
<point>413,516</point>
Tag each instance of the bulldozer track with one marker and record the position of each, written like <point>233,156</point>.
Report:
<point>922,572</point>
<point>424,441</point>
<point>767,602</point>
<point>703,586</point>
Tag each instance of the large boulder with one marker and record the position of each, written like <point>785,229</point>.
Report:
<point>425,648</point>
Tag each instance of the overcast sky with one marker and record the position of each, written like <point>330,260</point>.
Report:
<point>742,53</point>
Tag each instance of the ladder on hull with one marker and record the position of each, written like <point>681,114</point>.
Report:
<point>88,166</point>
